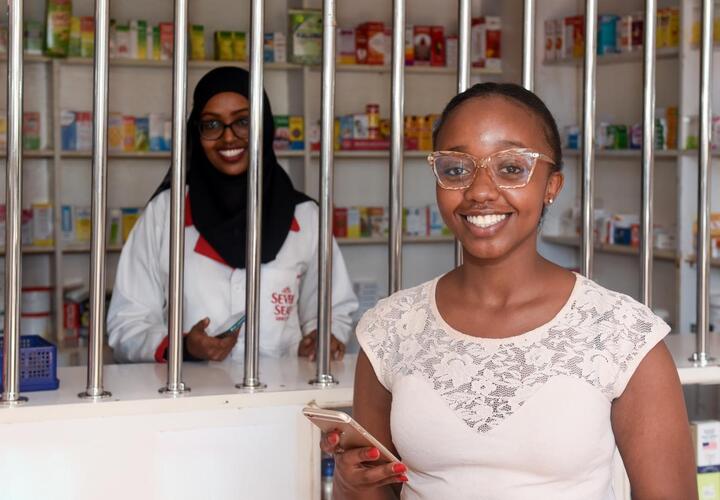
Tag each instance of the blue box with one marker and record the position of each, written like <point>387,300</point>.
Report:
<point>68,127</point>
<point>607,34</point>
<point>268,48</point>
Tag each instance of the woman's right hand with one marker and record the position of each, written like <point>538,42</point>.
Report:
<point>354,469</point>
<point>203,346</point>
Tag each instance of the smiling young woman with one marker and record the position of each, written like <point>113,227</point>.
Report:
<point>215,239</point>
<point>511,377</point>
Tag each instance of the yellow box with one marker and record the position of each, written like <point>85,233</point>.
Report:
<point>83,224</point>
<point>224,45</point>
<point>42,224</point>
<point>197,42</point>
<point>296,126</point>
<point>425,136</point>
<point>128,220</point>
<point>239,46</point>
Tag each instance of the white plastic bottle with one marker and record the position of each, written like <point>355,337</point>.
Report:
<point>327,471</point>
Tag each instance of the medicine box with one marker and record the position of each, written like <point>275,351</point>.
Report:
<point>706,441</point>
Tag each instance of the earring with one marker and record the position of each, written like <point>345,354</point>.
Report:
<point>550,201</point>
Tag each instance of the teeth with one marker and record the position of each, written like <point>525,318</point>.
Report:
<point>486,220</point>
<point>231,153</point>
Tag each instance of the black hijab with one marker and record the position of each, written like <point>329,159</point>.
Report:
<point>219,201</point>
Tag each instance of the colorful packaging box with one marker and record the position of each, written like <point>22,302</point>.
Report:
<point>142,133</point>
<point>167,41</point>
<point>305,36</point>
<point>437,53</point>
<point>31,130</point>
<point>129,218</point>
<point>42,224</point>
<point>549,39</point>
<point>83,224</point>
<point>156,43</point>
<point>156,123</point>
<point>68,130</point>
<point>361,46</point>
<point>122,41</point>
<point>268,49</point>
<point>281,142</point>
<point>451,51</point>
<point>345,46</point>
<point>623,33</point>
<point>347,127</point>
<point>340,228</point>
<point>128,134</point>
<point>67,223</point>
<point>116,133</point>
<point>607,34</point>
<point>74,42</point>
<point>574,37</point>
<point>409,46</point>
<point>34,34</point>
<point>197,42</point>
<point>114,233</point>
<point>59,13</point>
<point>638,30</point>
<point>353,222</point>
<point>361,126</point>
<point>314,135</point>
<point>365,227</point>
<point>138,39</point>
<point>224,46</point>
<point>706,441</point>
<point>375,42</point>
<point>279,47</point>
<point>87,36</point>
<point>296,127</point>
<point>422,36</point>
<point>708,486</point>
<point>379,222</point>
<point>239,44</point>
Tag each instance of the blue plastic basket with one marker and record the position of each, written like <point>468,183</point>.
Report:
<point>38,364</point>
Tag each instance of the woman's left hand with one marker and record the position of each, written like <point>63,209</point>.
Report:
<point>308,347</point>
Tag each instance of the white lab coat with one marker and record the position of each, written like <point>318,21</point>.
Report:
<point>137,317</point>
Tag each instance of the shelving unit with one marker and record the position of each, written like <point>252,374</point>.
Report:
<point>659,254</point>
<point>625,57</point>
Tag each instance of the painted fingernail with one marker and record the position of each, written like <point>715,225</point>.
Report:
<point>403,478</point>
<point>374,454</point>
<point>334,438</point>
<point>399,468</point>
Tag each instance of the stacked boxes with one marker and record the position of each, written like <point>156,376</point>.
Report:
<point>368,222</point>
<point>706,441</point>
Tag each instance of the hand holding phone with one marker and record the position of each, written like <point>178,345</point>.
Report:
<point>362,463</point>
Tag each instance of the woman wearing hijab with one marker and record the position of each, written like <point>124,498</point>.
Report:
<point>215,235</point>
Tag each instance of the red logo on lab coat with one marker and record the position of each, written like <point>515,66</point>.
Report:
<point>283,302</point>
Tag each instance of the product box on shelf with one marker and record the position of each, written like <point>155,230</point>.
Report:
<point>122,41</point>
<point>224,46</point>
<point>549,46</point>
<point>197,42</point>
<point>83,224</point>
<point>239,44</point>
<point>279,47</point>
<point>409,46</point>
<point>387,46</point>
<point>142,134</point>
<point>167,31</point>
<point>353,222</point>
<point>31,130</point>
<point>74,41</point>
<point>378,220</point>
<point>437,53</point>
<point>574,37</point>
<point>422,36</point>
<point>451,51</point>
<point>374,33</point>
<point>268,48</point>
<point>116,133</point>
<point>34,35</point>
<point>129,218</point>
<point>305,36</point>
<point>607,34</point>
<point>128,133</point>
<point>87,36</point>
<point>138,39</point>
<point>114,236</point>
<point>281,140</point>
<point>67,223</point>
<point>340,229</point>
<point>59,13</point>
<point>296,128</point>
<point>485,46</point>
<point>42,224</point>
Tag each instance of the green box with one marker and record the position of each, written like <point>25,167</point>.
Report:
<point>34,38</point>
<point>708,486</point>
<point>74,43</point>
<point>57,31</point>
<point>197,42</point>
<point>224,45</point>
<point>306,36</point>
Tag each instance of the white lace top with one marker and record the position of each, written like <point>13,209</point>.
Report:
<point>525,417</point>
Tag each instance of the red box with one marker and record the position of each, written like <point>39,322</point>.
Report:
<point>370,43</point>
<point>422,40</point>
<point>167,39</point>
<point>365,145</point>
<point>340,222</point>
<point>361,45</point>
<point>437,53</point>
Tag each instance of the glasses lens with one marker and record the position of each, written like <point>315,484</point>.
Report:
<point>211,129</point>
<point>454,171</point>
<point>511,169</point>
<point>241,127</point>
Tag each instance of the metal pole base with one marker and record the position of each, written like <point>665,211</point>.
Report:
<point>251,386</point>
<point>325,380</point>
<point>701,358</point>
<point>181,390</point>
<point>95,395</point>
<point>10,403</point>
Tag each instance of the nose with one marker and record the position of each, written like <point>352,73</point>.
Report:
<point>228,135</point>
<point>482,189</point>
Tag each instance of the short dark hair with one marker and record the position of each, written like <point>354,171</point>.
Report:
<point>517,94</point>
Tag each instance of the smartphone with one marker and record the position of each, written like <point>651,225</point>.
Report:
<point>352,434</point>
<point>231,329</point>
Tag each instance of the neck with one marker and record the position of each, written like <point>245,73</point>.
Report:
<point>505,279</point>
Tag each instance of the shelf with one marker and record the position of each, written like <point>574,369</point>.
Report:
<point>42,153</point>
<point>155,155</point>
<point>571,241</point>
<point>376,240</point>
<point>28,58</point>
<point>623,153</point>
<point>206,64</point>
<point>360,155</point>
<point>713,262</point>
<point>423,70</point>
<point>624,57</point>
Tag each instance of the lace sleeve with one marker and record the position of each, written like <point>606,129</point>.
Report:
<point>639,332</point>
<point>373,336</point>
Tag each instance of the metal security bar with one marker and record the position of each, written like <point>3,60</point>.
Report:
<point>703,235</point>
<point>94,389</point>
<point>323,376</point>
<point>13,175</point>
<point>397,148</point>
<point>588,219</point>
<point>648,160</point>
<point>463,73</point>
<point>254,207</point>
<point>175,385</point>
<point>528,70</point>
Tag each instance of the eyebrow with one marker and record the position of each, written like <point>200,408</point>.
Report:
<point>504,143</point>
<point>219,115</point>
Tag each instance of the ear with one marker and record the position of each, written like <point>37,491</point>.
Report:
<point>553,187</point>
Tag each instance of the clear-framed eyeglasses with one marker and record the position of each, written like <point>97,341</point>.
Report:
<point>508,169</point>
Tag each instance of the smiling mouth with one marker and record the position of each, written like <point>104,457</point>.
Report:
<point>229,154</point>
<point>486,221</point>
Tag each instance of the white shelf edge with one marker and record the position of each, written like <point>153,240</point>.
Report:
<point>570,241</point>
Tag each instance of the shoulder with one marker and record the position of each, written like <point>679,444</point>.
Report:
<point>159,206</point>
<point>307,212</point>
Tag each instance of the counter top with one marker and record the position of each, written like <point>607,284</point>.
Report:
<point>135,387</point>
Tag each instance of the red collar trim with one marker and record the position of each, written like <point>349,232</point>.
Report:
<point>203,247</point>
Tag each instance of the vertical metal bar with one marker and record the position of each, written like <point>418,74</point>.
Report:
<point>703,235</point>
<point>325,255</point>
<point>13,250</point>
<point>463,74</point>
<point>94,388</point>
<point>648,160</point>
<point>252,284</point>
<point>528,75</point>
<point>397,149</point>
<point>175,385</point>
<point>588,220</point>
